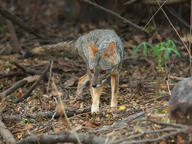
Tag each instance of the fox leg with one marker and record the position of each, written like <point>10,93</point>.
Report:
<point>114,89</point>
<point>95,93</point>
<point>81,84</point>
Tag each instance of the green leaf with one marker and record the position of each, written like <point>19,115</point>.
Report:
<point>145,49</point>
<point>137,48</point>
<point>167,53</point>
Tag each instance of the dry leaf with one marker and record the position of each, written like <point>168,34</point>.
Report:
<point>28,126</point>
<point>70,82</point>
<point>121,108</point>
<point>90,124</point>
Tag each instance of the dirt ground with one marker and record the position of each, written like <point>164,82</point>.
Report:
<point>142,115</point>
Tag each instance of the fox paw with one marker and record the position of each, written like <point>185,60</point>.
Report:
<point>94,109</point>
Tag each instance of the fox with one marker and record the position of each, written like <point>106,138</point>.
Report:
<point>102,52</point>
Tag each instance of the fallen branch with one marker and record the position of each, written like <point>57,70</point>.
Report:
<point>167,124</point>
<point>11,74</point>
<point>8,15</point>
<point>121,123</point>
<point>48,114</point>
<point>144,133</point>
<point>34,85</point>
<point>14,87</point>
<point>17,85</point>
<point>179,131</point>
<point>15,45</point>
<point>64,136</point>
<point>169,2</point>
<point>27,70</point>
<point>6,134</point>
<point>115,14</point>
<point>176,78</point>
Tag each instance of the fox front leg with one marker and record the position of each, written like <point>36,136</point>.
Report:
<point>81,84</point>
<point>114,89</point>
<point>95,93</point>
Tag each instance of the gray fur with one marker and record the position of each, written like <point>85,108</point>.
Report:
<point>99,38</point>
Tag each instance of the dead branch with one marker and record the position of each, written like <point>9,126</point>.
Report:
<point>115,14</point>
<point>179,131</point>
<point>176,78</point>
<point>48,114</point>
<point>144,133</point>
<point>64,136</point>
<point>17,85</point>
<point>27,70</point>
<point>168,124</point>
<point>8,15</point>
<point>11,74</point>
<point>177,16</point>
<point>129,2</point>
<point>154,2</point>
<point>6,134</point>
<point>121,123</point>
<point>34,85</point>
<point>14,87</point>
<point>16,47</point>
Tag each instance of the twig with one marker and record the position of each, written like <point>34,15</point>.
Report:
<point>27,70</point>
<point>50,74</point>
<point>6,134</point>
<point>5,13</point>
<point>15,86</point>
<point>174,13</point>
<point>34,85</point>
<point>48,114</point>
<point>64,136</point>
<point>176,78</point>
<point>115,14</point>
<point>120,123</point>
<point>168,124</point>
<point>129,2</point>
<point>153,2</point>
<point>183,130</point>
<point>61,110</point>
<point>18,84</point>
<point>155,14</point>
<point>16,47</point>
<point>11,74</point>
<point>187,49</point>
<point>144,133</point>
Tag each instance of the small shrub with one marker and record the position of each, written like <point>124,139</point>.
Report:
<point>160,51</point>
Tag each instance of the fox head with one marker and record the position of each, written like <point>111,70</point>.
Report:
<point>102,62</point>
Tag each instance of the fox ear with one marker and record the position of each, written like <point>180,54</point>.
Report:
<point>110,50</point>
<point>94,50</point>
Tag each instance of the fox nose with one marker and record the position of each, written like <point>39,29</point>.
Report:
<point>94,85</point>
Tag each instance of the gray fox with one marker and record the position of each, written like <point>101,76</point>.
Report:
<point>102,51</point>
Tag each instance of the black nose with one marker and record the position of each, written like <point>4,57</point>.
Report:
<point>94,85</point>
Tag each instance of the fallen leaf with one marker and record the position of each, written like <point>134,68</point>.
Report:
<point>28,126</point>
<point>70,82</point>
<point>90,124</point>
<point>121,108</point>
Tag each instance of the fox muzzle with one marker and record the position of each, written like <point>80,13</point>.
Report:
<point>95,78</point>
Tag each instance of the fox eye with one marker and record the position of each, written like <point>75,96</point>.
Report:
<point>102,71</point>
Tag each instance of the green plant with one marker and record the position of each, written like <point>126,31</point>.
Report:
<point>160,51</point>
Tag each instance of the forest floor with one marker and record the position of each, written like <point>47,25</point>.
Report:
<point>142,114</point>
